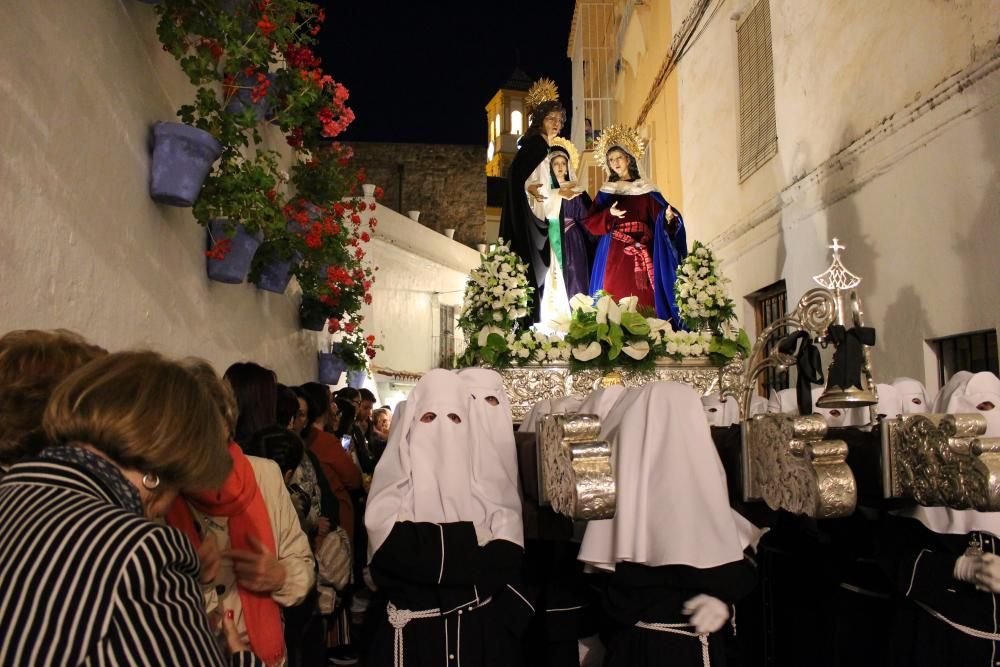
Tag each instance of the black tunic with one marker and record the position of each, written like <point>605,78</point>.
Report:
<point>657,595</point>
<point>528,236</point>
<point>922,564</point>
<point>425,566</point>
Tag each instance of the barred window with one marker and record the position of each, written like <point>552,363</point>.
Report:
<point>973,352</point>
<point>758,132</point>
<point>446,340</point>
<point>770,305</point>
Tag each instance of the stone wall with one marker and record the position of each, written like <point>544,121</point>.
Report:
<point>446,183</point>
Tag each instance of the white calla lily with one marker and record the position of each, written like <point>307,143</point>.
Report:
<point>582,302</point>
<point>602,309</point>
<point>614,312</point>
<point>629,304</point>
<point>586,353</point>
<point>637,350</point>
<point>485,332</point>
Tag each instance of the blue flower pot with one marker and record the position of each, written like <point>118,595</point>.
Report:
<point>235,266</point>
<point>241,100</point>
<point>331,367</point>
<point>182,158</point>
<point>276,275</point>
<point>356,379</point>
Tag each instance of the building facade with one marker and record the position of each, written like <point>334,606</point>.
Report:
<point>775,126</point>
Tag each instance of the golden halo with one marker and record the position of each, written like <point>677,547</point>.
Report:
<point>574,154</point>
<point>618,136</point>
<point>543,90</point>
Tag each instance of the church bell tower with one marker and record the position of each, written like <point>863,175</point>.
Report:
<point>506,121</point>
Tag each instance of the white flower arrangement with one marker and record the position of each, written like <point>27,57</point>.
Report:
<point>601,332</point>
<point>700,291</point>
<point>496,298</point>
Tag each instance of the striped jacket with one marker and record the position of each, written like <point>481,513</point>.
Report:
<point>86,581</point>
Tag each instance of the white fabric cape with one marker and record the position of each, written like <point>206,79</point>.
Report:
<point>673,507</point>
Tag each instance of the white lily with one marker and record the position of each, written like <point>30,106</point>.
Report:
<point>637,350</point>
<point>485,332</point>
<point>582,302</point>
<point>586,353</point>
<point>629,304</point>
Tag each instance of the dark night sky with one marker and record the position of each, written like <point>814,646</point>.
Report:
<point>423,71</point>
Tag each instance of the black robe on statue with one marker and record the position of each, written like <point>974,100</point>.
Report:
<point>440,566</point>
<point>528,236</point>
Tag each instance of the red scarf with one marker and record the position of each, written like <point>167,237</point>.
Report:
<point>240,500</point>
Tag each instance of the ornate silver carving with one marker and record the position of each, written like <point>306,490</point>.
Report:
<point>941,460</point>
<point>526,385</point>
<point>787,464</point>
<point>576,466</point>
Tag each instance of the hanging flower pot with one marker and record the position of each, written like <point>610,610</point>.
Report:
<point>273,272</point>
<point>229,258</point>
<point>313,314</point>
<point>248,88</point>
<point>182,158</point>
<point>331,367</point>
<point>356,379</point>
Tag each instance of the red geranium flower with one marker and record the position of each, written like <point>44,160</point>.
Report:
<point>219,249</point>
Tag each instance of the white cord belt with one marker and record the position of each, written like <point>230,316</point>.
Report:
<point>677,629</point>
<point>398,618</point>
<point>972,632</point>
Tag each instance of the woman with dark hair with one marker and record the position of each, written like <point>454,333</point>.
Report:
<point>527,229</point>
<point>340,472</point>
<point>256,390</point>
<point>642,237</point>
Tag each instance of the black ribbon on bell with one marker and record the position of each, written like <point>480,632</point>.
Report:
<point>809,365</point>
<point>849,357</point>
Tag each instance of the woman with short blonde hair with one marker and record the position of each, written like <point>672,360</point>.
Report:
<point>127,432</point>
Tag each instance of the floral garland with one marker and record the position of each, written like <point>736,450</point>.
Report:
<point>700,290</point>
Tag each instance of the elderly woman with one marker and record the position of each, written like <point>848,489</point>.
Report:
<point>445,532</point>
<point>267,563</point>
<point>32,363</point>
<point>94,581</point>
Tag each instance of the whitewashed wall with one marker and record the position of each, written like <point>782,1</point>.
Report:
<point>888,121</point>
<point>83,247</point>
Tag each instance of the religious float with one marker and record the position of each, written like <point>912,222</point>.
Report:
<point>798,464</point>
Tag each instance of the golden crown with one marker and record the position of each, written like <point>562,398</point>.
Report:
<point>618,136</point>
<point>543,90</point>
<point>567,145</point>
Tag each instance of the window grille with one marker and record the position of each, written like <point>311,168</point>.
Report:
<point>446,339</point>
<point>771,304</point>
<point>758,131</point>
<point>973,352</point>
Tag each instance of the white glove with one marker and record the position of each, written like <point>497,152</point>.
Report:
<point>707,613</point>
<point>965,569</point>
<point>483,533</point>
<point>987,577</point>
